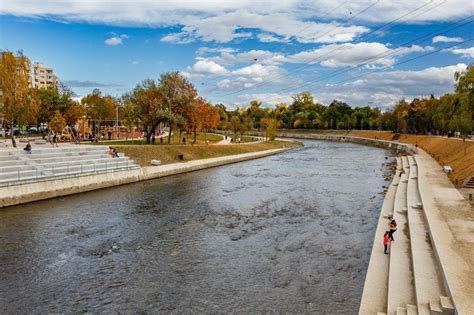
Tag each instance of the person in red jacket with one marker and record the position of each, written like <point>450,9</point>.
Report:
<point>386,241</point>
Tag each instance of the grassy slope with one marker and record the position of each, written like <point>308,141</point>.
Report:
<point>455,153</point>
<point>167,154</point>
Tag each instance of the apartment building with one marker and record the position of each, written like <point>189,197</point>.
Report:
<point>43,77</point>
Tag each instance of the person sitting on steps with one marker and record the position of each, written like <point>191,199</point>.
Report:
<point>28,148</point>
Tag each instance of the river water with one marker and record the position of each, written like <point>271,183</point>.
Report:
<point>288,233</point>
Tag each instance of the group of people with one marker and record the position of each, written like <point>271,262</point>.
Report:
<point>388,236</point>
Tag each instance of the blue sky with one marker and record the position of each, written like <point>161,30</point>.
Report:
<point>236,51</point>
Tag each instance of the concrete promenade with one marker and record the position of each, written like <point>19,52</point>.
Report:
<point>67,185</point>
<point>450,221</point>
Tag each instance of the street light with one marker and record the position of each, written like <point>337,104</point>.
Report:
<point>116,122</point>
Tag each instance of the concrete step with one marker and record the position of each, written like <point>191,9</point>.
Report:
<point>401,311</point>
<point>428,282</point>
<point>15,168</point>
<point>401,290</point>
<point>70,158</point>
<point>380,313</point>
<point>424,309</point>
<point>12,163</point>
<point>412,309</point>
<point>374,296</point>
<point>447,305</point>
<point>62,168</point>
<point>435,307</point>
<point>62,149</point>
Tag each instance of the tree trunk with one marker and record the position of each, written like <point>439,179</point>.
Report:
<point>148,137</point>
<point>12,134</point>
<point>169,135</point>
<point>195,134</point>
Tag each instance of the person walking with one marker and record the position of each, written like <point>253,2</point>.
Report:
<point>161,140</point>
<point>55,140</point>
<point>386,242</point>
<point>393,229</point>
<point>153,139</point>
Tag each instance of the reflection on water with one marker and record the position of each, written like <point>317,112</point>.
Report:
<point>288,233</point>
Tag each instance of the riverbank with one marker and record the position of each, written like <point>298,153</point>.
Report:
<point>167,154</point>
<point>453,152</point>
<point>73,184</point>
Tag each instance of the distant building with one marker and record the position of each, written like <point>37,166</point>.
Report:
<point>43,77</point>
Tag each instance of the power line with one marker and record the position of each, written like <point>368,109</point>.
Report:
<point>319,58</point>
<point>330,30</point>
<point>376,70</point>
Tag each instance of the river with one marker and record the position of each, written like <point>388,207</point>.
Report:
<point>288,233</point>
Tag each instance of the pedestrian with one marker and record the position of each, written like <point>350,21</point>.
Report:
<point>109,135</point>
<point>184,140</point>
<point>386,242</point>
<point>393,229</point>
<point>153,139</point>
<point>402,171</point>
<point>161,139</point>
<point>28,148</point>
<point>55,140</point>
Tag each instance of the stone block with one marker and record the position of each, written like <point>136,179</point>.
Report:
<point>155,162</point>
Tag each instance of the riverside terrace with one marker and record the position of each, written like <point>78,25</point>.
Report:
<point>46,162</point>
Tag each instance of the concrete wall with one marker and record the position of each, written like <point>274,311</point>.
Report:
<point>28,192</point>
<point>343,138</point>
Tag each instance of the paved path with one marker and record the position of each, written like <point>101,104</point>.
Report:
<point>451,223</point>
<point>428,283</point>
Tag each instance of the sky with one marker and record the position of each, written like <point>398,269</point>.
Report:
<point>361,52</point>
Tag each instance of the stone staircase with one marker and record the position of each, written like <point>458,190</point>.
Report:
<point>412,275</point>
<point>44,163</point>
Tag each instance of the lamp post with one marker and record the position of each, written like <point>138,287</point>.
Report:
<point>116,122</point>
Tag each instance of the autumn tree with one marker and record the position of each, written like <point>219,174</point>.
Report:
<point>99,108</point>
<point>57,123</point>
<point>208,117</point>
<point>178,95</point>
<point>18,102</point>
<point>145,104</point>
<point>270,127</point>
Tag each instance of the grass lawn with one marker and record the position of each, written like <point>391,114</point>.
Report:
<point>167,154</point>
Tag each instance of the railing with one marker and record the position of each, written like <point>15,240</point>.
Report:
<point>71,169</point>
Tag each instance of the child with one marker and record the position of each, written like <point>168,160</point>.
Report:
<point>386,241</point>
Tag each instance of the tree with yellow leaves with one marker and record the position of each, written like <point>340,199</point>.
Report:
<point>18,102</point>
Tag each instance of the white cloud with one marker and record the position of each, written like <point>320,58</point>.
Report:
<point>135,62</point>
<point>115,40</point>
<point>381,88</point>
<point>177,38</point>
<point>464,52</point>
<point>371,54</point>
<point>385,88</point>
<point>444,39</point>
<point>205,67</point>
<point>269,38</point>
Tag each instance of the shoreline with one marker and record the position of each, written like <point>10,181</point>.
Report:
<point>36,191</point>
